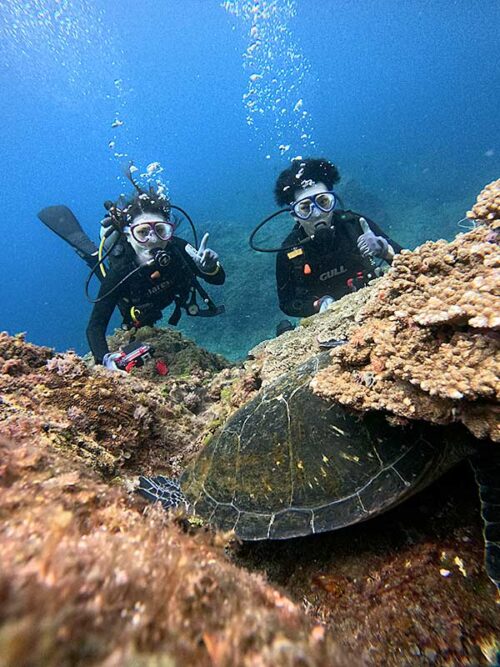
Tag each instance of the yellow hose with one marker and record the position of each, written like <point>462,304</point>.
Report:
<point>135,314</point>
<point>101,264</point>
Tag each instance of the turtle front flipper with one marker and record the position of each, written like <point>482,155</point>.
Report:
<point>486,466</point>
<point>161,489</point>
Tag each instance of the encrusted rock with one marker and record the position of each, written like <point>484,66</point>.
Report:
<point>487,207</point>
<point>273,357</point>
<point>109,420</point>
<point>87,577</point>
<point>429,335</point>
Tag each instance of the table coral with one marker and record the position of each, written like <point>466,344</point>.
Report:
<point>427,346</point>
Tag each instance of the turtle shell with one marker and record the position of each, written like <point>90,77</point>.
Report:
<point>289,463</point>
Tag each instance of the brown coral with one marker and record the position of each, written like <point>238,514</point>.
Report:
<point>16,355</point>
<point>429,336</point>
<point>86,577</point>
<point>181,355</point>
<point>487,207</point>
<point>109,420</point>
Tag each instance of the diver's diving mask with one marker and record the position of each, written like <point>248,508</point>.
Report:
<point>143,232</point>
<point>324,201</point>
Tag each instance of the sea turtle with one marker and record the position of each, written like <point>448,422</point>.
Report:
<point>289,463</point>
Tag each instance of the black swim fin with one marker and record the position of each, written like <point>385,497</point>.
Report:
<point>62,221</point>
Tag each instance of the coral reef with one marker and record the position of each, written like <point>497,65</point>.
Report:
<point>92,576</point>
<point>87,579</point>
<point>87,576</point>
<point>18,357</point>
<point>109,420</point>
<point>181,355</point>
<point>487,207</point>
<point>205,384</point>
<point>427,346</point>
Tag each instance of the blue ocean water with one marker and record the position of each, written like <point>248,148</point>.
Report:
<point>401,95</point>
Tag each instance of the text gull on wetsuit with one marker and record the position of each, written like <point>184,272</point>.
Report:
<point>328,265</point>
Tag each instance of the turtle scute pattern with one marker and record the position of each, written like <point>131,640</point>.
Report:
<point>290,464</point>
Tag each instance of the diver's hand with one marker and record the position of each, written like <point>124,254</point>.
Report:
<point>371,245</point>
<point>206,259</point>
<point>322,304</point>
<point>109,361</point>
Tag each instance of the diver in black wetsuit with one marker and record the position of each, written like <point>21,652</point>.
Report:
<point>151,287</point>
<point>149,268</point>
<point>329,252</point>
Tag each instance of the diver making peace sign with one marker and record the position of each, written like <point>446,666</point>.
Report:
<point>149,267</point>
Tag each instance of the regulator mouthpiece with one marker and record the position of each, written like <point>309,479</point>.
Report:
<point>161,258</point>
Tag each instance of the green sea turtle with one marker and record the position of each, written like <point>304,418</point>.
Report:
<point>289,464</point>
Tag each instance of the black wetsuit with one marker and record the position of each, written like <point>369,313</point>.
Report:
<point>149,295</point>
<point>330,264</point>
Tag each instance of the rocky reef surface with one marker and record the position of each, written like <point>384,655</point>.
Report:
<point>423,341</point>
<point>428,343</point>
<point>92,575</point>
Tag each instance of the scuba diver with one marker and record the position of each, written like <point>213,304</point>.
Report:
<point>148,269</point>
<point>330,252</point>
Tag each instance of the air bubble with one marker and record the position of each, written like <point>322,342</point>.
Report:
<point>277,69</point>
